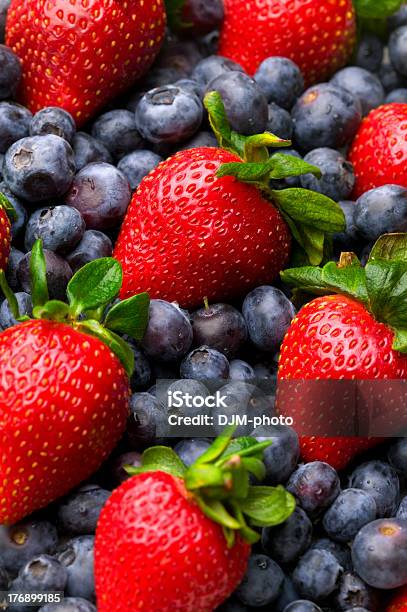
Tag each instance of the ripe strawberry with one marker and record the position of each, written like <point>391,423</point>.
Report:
<point>399,602</point>
<point>5,232</point>
<point>63,392</point>
<point>379,150</point>
<point>78,55</point>
<point>160,545</point>
<point>318,35</point>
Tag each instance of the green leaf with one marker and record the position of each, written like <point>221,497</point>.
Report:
<point>53,310</point>
<point>268,506</point>
<point>204,475</point>
<point>387,288</point>
<point>376,9</point>
<point>247,172</point>
<point>390,247</point>
<point>311,208</point>
<point>97,283</point>
<point>400,340</point>
<point>249,535</point>
<point>218,447</point>
<point>307,278</point>
<point>349,280</point>
<point>288,165</point>
<point>130,316</point>
<point>255,467</point>
<point>260,141</point>
<point>216,511</point>
<point>9,295</point>
<point>8,207</point>
<point>116,344</point>
<point>162,459</point>
<point>217,118</point>
<point>313,241</point>
<point>38,273</point>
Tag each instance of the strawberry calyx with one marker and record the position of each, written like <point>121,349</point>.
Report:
<point>381,285</point>
<point>219,482</point>
<point>311,216</point>
<point>90,306</point>
<point>7,206</point>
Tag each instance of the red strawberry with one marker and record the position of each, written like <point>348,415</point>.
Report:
<point>160,545</point>
<point>399,602</point>
<point>5,233</point>
<point>318,35</point>
<point>80,54</point>
<point>379,151</point>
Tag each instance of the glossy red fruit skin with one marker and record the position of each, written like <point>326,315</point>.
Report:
<point>379,150</point>
<point>80,54</point>
<point>63,406</point>
<point>399,601</point>
<point>188,234</point>
<point>155,550</point>
<point>334,337</point>
<point>318,35</point>
<point>5,238</point>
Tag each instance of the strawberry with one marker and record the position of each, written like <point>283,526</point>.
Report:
<point>7,212</point>
<point>318,35</point>
<point>379,150</point>
<point>357,334</point>
<point>79,55</point>
<point>64,387</point>
<point>177,538</point>
<point>198,225</point>
<point>399,602</point>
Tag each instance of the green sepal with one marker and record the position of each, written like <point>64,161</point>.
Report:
<point>38,273</point>
<point>6,205</point>
<point>400,340</point>
<point>216,511</point>
<point>376,9</point>
<point>204,475</point>
<point>250,535</point>
<point>390,247</point>
<point>278,166</point>
<point>116,344</point>
<point>244,447</point>
<point>161,458</point>
<point>268,506</point>
<point>129,316</point>
<point>285,166</point>
<point>253,146</point>
<point>218,447</point>
<point>94,285</point>
<point>54,310</point>
<point>387,287</point>
<point>255,467</point>
<point>230,536</point>
<point>9,295</point>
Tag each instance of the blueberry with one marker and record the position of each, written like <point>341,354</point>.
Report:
<point>205,364</point>
<point>141,376</point>
<point>14,124</point>
<point>397,456</point>
<point>352,509</point>
<point>316,485</point>
<point>79,512</point>
<point>337,180</point>
<point>399,96</point>
<point>262,582</point>
<point>268,314</point>
<point>20,543</point>
<point>25,307</point>
<point>160,77</point>
<point>402,509</point>
<point>279,122</point>
<point>169,115</point>
<point>87,150</point>
<point>191,86</point>
<point>362,84</point>
<point>42,573</point>
<point>241,370</point>
<point>59,227</point>
<point>116,469</point>
<point>77,556</point>
<point>354,593</point>
<point>390,78</point>
<point>381,481</point>
<point>317,574</point>
<point>190,449</point>
<point>118,132</point>
<point>221,327</point>
<point>19,223</point>
<point>58,274</point>
<point>12,268</point>
<point>4,5</point>
<point>146,422</point>
<point>245,104</point>
<point>339,551</point>
<point>349,239</point>
<point>169,333</point>
<point>398,49</point>
<point>379,553</point>
<point>136,165</point>
<point>281,458</point>
<point>241,399</point>
<point>4,579</point>
<point>369,53</point>
<point>381,211</point>
<point>209,44</point>
<point>38,168</point>
<point>202,17</point>
<point>281,81</point>
<point>53,120</point>
<point>288,541</point>
<point>11,72</point>
<point>70,604</point>
<point>302,605</point>
<point>287,595</point>
<point>213,66</point>
<point>398,19</point>
<point>101,193</point>
<point>93,245</point>
<point>201,139</point>
<point>179,55</point>
<point>232,605</point>
<point>184,388</point>
<point>326,116</point>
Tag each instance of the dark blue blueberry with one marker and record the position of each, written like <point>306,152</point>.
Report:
<point>59,227</point>
<point>232,605</point>
<point>180,395</point>
<point>11,72</point>
<point>168,335</point>
<point>353,593</point>
<point>116,471</point>
<point>58,274</point>
<point>281,81</point>
<point>381,211</point>
<point>241,399</point>
<point>379,553</point>
<point>381,481</point>
<point>245,104</point>
<point>205,364</point>
<point>398,49</point>
<point>21,212</point>
<point>4,5</point>
<point>78,513</point>
<point>281,458</point>
<point>201,139</point>
<point>288,541</point>
<point>209,44</point>
<point>20,543</point>
<point>339,551</point>
<point>136,165</point>
<point>101,193</point>
<point>302,605</point>
<point>77,556</point>
<point>279,122</point>
<point>169,115</point>
<point>287,595</point>
<point>221,327</point>
<point>397,456</point>
<point>398,19</point>
<point>317,574</point>
<point>316,485</point>
<point>14,124</point>
<point>12,268</point>
<point>147,421</point>
<point>390,78</point>
<point>369,53</point>
<point>213,66</point>
<point>190,449</point>
<point>141,376</point>
<point>53,120</point>
<point>40,574</point>
<point>193,87</point>
<point>399,96</point>
<point>118,132</point>
<point>202,17</point>
<point>25,307</point>
<point>337,180</point>
<point>262,582</point>
<point>352,509</point>
<point>70,604</point>
<point>362,84</point>
<point>268,314</point>
<point>39,168</point>
<point>350,238</point>
<point>88,150</point>
<point>179,55</point>
<point>4,579</point>
<point>402,509</point>
<point>241,370</point>
<point>93,245</point>
<point>326,116</point>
